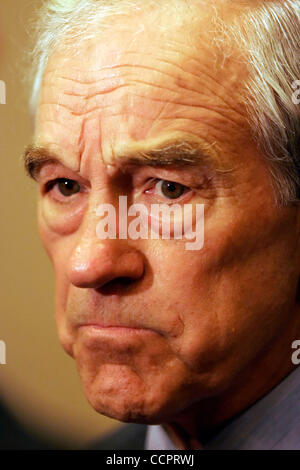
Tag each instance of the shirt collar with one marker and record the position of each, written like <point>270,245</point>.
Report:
<point>273,422</point>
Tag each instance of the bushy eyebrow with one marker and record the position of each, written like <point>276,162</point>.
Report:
<point>35,158</point>
<point>176,153</point>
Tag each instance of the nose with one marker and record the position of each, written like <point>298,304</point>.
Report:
<point>94,263</point>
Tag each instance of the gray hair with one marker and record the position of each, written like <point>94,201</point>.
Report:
<point>268,32</point>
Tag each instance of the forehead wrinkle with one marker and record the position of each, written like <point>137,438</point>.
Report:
<point>126,109</point>
<point>92,100</point>
<point>90,142</point>
<point>182,77</point>
<point>80,143</point>
<point>133,78</point>
<point>124,75</point>
<point>82,76</point>
<point>123,56</point>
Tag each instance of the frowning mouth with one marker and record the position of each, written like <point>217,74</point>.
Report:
<point>101,326</point>
<point>114,328</point>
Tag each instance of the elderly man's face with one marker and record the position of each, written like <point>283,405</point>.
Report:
<point>154,327</point>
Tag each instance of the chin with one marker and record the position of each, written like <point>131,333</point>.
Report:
<point>128,407</point>
<point>132,412</point>
<point>133,404</point>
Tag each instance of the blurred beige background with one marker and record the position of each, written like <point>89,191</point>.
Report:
<point>39,383</point>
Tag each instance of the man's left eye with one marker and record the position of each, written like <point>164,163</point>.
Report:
<point>170,189</point>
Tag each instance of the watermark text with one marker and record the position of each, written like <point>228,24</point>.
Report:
<point>157,221</point>
<point>2,92</point>
<point>296,354</point>
<point>2,353</point>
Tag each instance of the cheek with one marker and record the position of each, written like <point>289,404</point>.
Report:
<point>59,250</point>
<point>233,296</point>
<point>62,289</point>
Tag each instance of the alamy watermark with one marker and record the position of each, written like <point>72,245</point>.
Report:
<point>296,354</point>
<point>165,221</point>
<point>2,353</point>
<point>2,92</point>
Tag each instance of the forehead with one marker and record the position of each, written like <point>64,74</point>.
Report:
<point>141,80</point>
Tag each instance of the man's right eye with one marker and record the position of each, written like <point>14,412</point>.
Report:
<point>65,186</point>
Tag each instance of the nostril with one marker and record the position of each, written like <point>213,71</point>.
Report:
<point>116,286</point>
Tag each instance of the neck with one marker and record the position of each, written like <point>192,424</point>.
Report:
<point>200,421</point>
